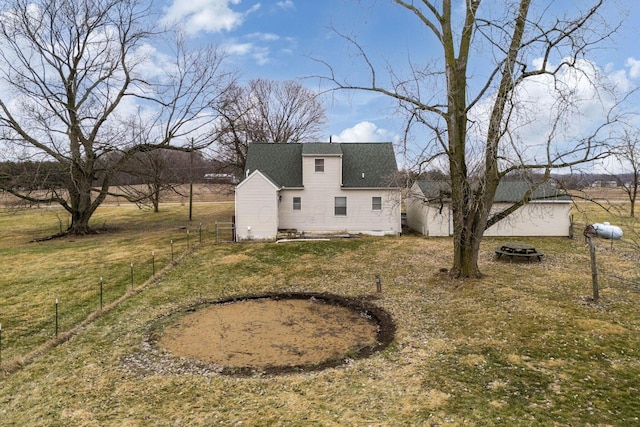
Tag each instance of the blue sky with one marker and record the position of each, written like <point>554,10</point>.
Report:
<point>280,40</point>
<point>277,40</point>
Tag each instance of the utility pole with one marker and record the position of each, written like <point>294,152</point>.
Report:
<point>191,182</point>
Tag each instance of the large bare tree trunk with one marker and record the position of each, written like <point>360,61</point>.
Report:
<point>481,123</point>
<point>81,206</point>
<point>77,62</point>
<point>465,257</point>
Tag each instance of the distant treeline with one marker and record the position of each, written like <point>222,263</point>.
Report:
<point>178,167</point>
<point>169,166</point>
<point>576,181</point>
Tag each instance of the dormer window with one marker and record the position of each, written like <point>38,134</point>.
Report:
<point>319,163</point>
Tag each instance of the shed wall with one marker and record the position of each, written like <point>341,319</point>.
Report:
<point>534,219</point>
<point>427,219</point>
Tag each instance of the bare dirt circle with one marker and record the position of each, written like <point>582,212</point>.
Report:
<point>275,333</point>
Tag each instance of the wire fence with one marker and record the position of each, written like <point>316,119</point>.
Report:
<point>28,336</point>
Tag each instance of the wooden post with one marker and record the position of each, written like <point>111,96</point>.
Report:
<point>191,182</point>
<point>594,269</point>
<point>56,317</point>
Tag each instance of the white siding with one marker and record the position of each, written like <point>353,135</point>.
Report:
<point>317,212</point>
<point>322,182</point>
<point>534,219</point>
<point>256,209</point>
<point>429,220</point>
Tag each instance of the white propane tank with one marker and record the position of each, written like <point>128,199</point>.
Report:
<point>608,231</point>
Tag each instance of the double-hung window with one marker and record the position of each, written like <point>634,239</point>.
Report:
<point>319,165</point>
<point>297,203</point>
<point>340,206</point>
<point>376,203</point>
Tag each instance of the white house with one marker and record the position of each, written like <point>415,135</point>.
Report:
<point>547,212</point>
<point>318,188</point>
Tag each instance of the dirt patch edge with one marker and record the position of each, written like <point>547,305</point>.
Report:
<point>156,359</point>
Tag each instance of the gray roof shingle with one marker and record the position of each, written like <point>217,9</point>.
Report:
<point>321,148</point>
<point>364,165</point>
<point>282,163</point>
<point>507,191</point>
<point>375,161</point>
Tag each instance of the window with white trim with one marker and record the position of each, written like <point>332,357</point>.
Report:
<point>376,203</point>
<point>319,164</point>
<point>340,206</point>
<point>297,203</point>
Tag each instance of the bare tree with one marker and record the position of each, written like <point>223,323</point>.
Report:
<point>144,177</point>
<point>480,122</point>
<point>628,154</point>
<point>82,83</point>
<point>265,111</point>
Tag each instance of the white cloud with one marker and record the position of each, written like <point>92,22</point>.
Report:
<point>267,37</point>
<point>257,46</point>
<point>634,67</point>
<point>211,16</point>
<point>259,53</point>
<point>364,132</point>
<point>554,113</point>
<point>239,49</point>
<point>286,4</point>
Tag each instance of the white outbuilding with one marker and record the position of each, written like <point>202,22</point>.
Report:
<point>546,212</point>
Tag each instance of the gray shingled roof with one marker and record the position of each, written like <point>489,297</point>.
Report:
<point>282,163</point>
<point>507,191</point>
<point>376,161</point>
<point>513,192</point>
<point>321,148</point>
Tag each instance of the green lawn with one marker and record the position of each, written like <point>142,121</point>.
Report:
<point>522,346</point>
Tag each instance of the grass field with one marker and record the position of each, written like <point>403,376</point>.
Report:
<point>525,345</point>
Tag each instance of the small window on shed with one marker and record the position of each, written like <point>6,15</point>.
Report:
<point>376,203</point>
<point>297,203</point>
<point>319,165</point>
<point>341,206</point>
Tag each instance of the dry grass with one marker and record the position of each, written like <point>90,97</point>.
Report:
<point>36,273</point>
<point>522,346</point>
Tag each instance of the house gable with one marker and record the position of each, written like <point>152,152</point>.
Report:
<point>257,175</point>
<point>256,203</point>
